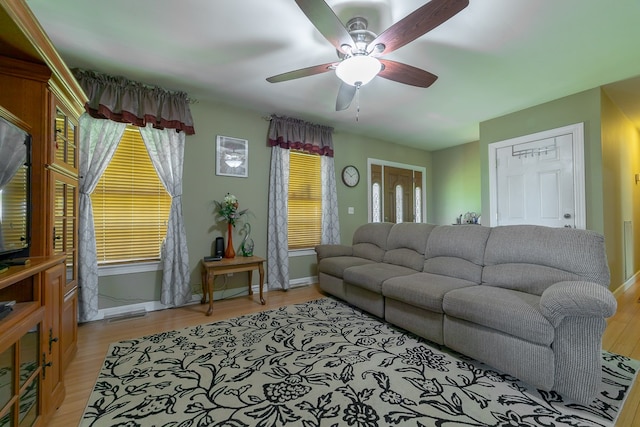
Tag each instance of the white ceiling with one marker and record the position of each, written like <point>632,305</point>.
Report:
<point>493,58</point>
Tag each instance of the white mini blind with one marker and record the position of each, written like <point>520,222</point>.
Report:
<point>130,205</point>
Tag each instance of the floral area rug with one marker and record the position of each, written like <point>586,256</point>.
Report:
<point>324,363</point>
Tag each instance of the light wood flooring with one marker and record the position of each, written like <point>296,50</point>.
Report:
<point>622,336</point>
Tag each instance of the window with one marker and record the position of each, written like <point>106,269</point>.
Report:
<point>130,205</point>
<point>418,203</point>
<point>399,203</point>
<point>375,202</point>
<point>305,200</point>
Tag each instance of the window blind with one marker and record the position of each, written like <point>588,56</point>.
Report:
<point>130,205</point>
<point>305,200</point>
<point>13,211</point>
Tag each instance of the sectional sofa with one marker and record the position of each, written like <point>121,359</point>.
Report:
<point>530,301</point>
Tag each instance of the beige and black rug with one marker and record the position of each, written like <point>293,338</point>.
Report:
<point>324,363</point>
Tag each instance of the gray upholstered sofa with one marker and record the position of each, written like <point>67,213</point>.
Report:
<point>530,301</point>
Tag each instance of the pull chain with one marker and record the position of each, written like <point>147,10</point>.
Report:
<point>358,102</point>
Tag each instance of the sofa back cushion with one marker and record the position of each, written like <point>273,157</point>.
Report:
<point>370,240</point>
<point>456,251</point>
<point>407,243</point>
<point>530,258</point>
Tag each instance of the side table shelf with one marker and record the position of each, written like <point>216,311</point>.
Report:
<point>211,269</point>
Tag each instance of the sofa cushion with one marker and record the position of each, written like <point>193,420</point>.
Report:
<point>371,276</point>
<point>456,251</point>
<point>406,244</point>
<point>531,258</point>
<point>423,290</point>
<point>335,266</point>
<point>505,310</point>
<point>370,240</point>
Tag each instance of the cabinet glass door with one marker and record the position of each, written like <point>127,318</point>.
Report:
<point>66,147</point>
<point>20,371</point>
<point>6,378</point>
<point>29,404</point>
<point>65,223</point>
<point>29,383</point>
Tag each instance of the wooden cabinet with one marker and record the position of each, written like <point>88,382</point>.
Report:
<point>39,89</point>
<point>31,385</point>
<point>63,177</point>
<point>52,371</point>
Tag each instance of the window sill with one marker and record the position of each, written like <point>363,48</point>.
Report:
<point>139,267</point>
<point>302,252</point>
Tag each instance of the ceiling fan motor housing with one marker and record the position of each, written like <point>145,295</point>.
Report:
<point>357,28</point>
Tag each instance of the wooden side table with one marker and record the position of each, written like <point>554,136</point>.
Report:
<point>211,269</point>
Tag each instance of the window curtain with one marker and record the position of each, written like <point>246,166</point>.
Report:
<point>287,133</point>
<point>166,150</point>
<point>117,101</point>
<point>98,142</point>
<point>330,222</point>
<point>123,100</point>
<point>10,158</point>
<point>277,240</point>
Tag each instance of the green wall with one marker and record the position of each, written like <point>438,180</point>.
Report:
<point>201,186</point>
<point>581,107</point>
<point>620,163</point>
<point>611,142</point>
<point>456,181</point>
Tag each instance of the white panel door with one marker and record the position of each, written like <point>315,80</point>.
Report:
<point>535,182</point>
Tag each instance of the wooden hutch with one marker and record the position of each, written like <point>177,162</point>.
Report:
<point>39,338</point>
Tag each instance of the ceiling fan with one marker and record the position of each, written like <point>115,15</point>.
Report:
<point>360,50</point>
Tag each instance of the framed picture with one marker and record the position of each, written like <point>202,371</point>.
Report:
<point>232,156</point>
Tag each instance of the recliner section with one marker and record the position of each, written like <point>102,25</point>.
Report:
<point>528,300</point>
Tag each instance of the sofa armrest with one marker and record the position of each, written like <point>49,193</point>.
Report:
<point>328,251</point>
<point>576,298</point>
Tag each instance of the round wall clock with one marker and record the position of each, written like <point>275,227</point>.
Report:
<point>350,176</point>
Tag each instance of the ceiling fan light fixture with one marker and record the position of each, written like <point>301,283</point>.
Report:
<point>358,70</point>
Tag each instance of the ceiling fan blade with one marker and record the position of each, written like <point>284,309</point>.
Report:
<point>403,73</point>
<point>302,72</point>
<point>326,21</point>
<point>414,25</point>
<point>345,96</point>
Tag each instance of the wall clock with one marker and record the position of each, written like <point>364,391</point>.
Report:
<point>350,176</point>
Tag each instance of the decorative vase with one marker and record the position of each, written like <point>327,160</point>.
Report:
<point>247,243</point>
<point>230,252</point>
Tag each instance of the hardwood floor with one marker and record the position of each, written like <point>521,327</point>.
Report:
<point>622,336</point>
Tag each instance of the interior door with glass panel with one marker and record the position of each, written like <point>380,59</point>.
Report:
<point>396,193</point>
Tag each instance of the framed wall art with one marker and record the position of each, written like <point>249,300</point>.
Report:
<point>232,156</point>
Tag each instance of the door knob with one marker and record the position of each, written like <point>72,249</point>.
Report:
<point>567,215</point>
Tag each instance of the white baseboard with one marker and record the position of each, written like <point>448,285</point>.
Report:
<point>123,310</point>
<point>626,285</point>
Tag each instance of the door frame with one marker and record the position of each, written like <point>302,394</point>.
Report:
<point>384,163</point>
<point>577,132</point>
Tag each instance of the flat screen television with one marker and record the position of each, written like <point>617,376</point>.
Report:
<point>15,187</point>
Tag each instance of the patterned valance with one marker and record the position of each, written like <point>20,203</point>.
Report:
<point>126,101</point>
<point>296,134</point>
